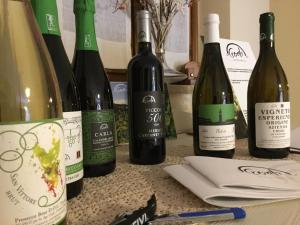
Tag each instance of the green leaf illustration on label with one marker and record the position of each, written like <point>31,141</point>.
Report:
<point>49,161</point>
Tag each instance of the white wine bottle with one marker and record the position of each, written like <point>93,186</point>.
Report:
<point>213,104</point>
<point>32,170</point>
<point>268,99</point>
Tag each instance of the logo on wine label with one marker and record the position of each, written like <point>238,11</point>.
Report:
<point>87,41</point>
<point>149,99</point>
<point>103,126</point>
<point>255,170</point>
<point>235,51</point>
<point>51,24</point>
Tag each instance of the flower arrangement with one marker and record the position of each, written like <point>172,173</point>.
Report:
<point>163,12</point>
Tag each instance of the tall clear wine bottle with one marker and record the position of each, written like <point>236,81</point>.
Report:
<point>146,100</point>
<point>47,18</point>
<point>32,170</point>
<point>99,154</point>
<point>213,102</point>
<point>268,99</point>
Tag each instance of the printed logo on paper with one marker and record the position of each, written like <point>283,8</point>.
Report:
<point>255,170</point>
<point>235,51</point>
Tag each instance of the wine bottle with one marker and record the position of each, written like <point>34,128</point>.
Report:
<point>146,102</point>
<point>268,99</point>
<point>213,102</point>
<point>98,124</point>
<point>32,170</point>
<point>47,18</point>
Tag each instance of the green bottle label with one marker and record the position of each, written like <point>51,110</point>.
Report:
<point>216,127</point>
<point>98,129</point>
<point>217,114</point>
<point>46,16</point>
<point>85,31</point>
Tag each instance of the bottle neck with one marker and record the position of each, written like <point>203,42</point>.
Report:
<point>85,31</point>
<point>267,43</point>
<point>212,34</point>
<point>144,47</point>
<point>46,16</point>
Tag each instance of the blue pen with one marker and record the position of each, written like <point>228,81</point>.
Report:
<point>204,216</point>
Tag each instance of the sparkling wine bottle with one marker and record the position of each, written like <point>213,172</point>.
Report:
<point>99,154</point>
<point>32,170</point>
<point>47,18</point>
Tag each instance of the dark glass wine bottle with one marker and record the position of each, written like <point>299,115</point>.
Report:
<point>47,18</point>
<point>146,100</point>
<point>99,154</point>
<point>268,99</point>
<point>213,104</point>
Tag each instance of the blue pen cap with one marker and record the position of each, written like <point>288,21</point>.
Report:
<point>238,213</point>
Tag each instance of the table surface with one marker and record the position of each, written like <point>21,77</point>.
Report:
<point>130,186</point>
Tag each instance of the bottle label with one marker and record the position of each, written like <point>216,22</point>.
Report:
<point>272,124</point>
<point>217,127</point>
<point>85,32</point>
<point>98,137</point>
<point>73,146</point>
<point>46,16</point>
<point>32,173</point>
<point>148,114</point>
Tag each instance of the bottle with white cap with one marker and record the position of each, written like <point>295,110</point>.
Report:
<point>213,101</point>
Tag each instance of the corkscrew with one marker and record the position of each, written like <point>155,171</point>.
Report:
<point>147,215</point>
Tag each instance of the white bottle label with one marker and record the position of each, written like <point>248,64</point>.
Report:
<point>32,173</point>
<point>73,146</point>
<point>272,124</point>
<point>217,137</point>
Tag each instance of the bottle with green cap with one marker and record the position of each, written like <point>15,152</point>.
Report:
<point>99,155</point>
<point>47,18</point>
<point>268,99</point>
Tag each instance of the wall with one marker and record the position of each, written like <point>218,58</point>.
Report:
<point>287,36</point>
<point>244,20</point>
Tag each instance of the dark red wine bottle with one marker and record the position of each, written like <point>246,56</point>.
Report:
<point>146,100</point>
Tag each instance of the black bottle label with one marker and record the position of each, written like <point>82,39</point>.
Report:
<point>98,137</point>
<point>149,115</point>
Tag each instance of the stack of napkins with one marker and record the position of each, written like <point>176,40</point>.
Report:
<point>233,183</point>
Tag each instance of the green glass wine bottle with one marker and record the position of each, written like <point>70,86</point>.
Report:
<point>47,18</point>
<point>268,99</point>
<point>32,170</point>
<point>213,104</point>
<point>99,154</point>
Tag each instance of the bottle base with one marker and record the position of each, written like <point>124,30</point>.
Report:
<point>219,154</point>
<point>99,170</point>
<point>74,189</point>
<point>150,162</point>
<point>269,153</point>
